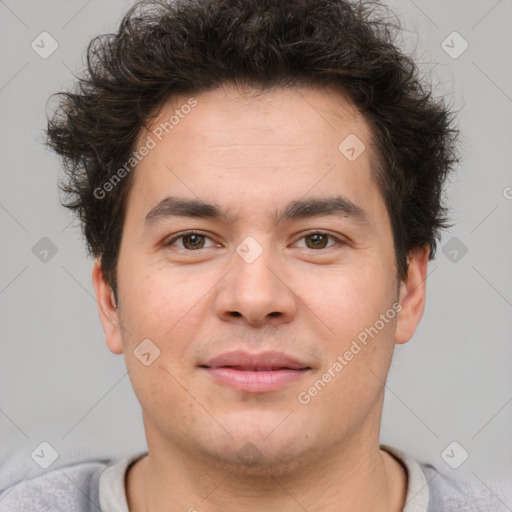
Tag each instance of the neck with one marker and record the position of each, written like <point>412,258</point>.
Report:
<point>355,476</point>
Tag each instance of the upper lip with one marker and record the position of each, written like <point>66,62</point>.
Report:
<point>262,361</point>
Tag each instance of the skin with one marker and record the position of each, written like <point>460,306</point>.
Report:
<point>252,155</point>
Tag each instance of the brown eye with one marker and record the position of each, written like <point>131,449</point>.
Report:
<point>189,241</point>
<point>318,240</point>
<point>194,241</point>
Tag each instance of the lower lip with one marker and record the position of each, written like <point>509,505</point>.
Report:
<point>255,382</point>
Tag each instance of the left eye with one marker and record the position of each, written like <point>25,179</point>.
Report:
<point>318,240</point>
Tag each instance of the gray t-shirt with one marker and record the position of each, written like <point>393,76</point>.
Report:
<point>99,486</point>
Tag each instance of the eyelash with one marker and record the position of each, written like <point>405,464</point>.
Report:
<point>311,233</point>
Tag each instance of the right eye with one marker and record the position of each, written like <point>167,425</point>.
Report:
<point>190,241</point>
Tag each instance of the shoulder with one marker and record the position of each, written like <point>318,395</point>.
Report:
<point>71,488</point>
<point>455,490</point>
<point>436,489</point>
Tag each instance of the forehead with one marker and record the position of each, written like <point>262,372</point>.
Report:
<point>283,140</point>
<point>233,110</point>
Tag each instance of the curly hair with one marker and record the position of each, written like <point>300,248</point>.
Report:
<point>169,48</point>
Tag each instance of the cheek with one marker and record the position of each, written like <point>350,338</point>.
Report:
<point>358,353</point>
<point>346,300</point>
<point>159,390</point>
<point>157,301</point>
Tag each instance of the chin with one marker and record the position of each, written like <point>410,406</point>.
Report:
<point>253,461</point>
<point>260,448</point>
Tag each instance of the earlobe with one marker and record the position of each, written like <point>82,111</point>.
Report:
<point>107,309</point>
<point>412,295</point>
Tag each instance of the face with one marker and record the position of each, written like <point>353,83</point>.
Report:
<point>257,259</point>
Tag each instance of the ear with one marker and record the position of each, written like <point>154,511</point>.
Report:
<point>412,295</point>
<point>107,309</point>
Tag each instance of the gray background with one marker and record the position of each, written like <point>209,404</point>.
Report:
<point>451,382</point>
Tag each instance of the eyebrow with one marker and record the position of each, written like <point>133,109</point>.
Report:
<point>337,206</point>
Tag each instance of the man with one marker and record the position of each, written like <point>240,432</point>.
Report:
<point>260,185</point>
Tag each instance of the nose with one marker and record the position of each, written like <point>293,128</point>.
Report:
<point>256,292</point>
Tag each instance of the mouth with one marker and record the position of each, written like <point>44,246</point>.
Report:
<point>258,380</point>
<point>243,368</point>
<point>255,373</point>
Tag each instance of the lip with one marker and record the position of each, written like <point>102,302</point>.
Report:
<point>255,373</point>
